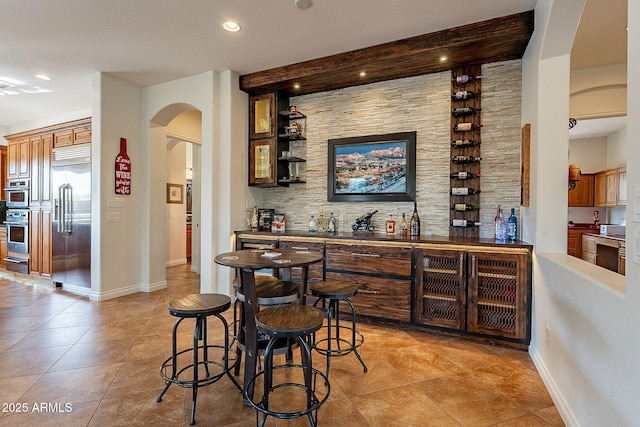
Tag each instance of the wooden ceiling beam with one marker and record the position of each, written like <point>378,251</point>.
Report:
<point>498,39</point>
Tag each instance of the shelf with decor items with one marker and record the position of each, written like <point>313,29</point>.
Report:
<point>465,143</point>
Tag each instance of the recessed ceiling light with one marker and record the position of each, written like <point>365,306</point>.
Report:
<point>443,58</point>
<point>363,73</point>
<point>43,77</point>
<point>231,26</point>
<point>296,86</point>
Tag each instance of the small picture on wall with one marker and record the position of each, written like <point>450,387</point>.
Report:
<point>175,193</point>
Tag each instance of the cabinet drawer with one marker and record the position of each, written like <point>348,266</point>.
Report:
<point>62,138</point>
<point>588,244</point>
<point>379,297</point>
<point>369,259</point>
<point>316,271</point>
<point>82,135</point>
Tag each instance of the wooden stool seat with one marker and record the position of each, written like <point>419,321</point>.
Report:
<point>289,321</point>
<point>334,289</point>
<point>271,291</point>
<point>198,305</point>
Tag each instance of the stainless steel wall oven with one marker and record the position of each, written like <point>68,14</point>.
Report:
<point>18,230</point>
<point>17,192</point>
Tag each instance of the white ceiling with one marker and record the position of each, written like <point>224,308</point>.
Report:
<point>153,41</point>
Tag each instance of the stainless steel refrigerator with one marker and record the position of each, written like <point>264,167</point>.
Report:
<point>71,233</point>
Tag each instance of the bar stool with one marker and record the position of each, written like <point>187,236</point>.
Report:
<point>334,344</point>
<point>291,322</point>
<point>270,291</point>
<point>198,307</point>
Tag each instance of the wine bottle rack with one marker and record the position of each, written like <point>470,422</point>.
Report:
<point>474,117</point>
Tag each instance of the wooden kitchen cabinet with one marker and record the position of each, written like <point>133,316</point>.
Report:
<point>583,194</point>
<point>18,156</point>
<point>3,245</point>
<point>622,185</point>
<point>600,189</point>
<point>589,249</point>
<point>188,242</point>
<point>486,293</point>
<point>316,271</point>
<point>611,198</point>
<point>382,273</point>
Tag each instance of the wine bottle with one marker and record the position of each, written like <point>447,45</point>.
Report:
<point>459,143</point>
<point>512,234</point>
<point>464,78</point>
<point>464,94</point>
<point>414,226</point>
<point>463,111</point>
<point>464,223</point>
<point>463,127</point>
<point>500,226</point>
<point>464,191</point>
<point>464,175</point>
<point>463,207</point>
<point>465,159</point>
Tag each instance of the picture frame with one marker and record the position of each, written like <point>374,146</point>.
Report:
<point>372,168</point>
<point>175,193</point>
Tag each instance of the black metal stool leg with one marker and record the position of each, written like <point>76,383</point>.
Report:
<point>174,359</point>
<point>353,333</point>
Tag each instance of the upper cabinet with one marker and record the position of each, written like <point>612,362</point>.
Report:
<point>18,155</point>
<point>262,116</point>
<point>583,194</point>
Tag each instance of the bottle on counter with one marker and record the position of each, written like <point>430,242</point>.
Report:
<point>463,191</point>
<point>596,217</point>
<point>463,94</point>
<point>464,223</point>
<point>464,175</point>
<point>414,226</point>
<point>466,126</point>
<point>460,143</point>
<point>465,159</point>
<point>331,226</point>
<point>313,227</point>
<point>390,225</point>
<point>463,207</point>
<point>254,219</point>
<point>463,111</point>
<point>341,222</point>
<point>321,223</point>
<point>465,78</point>
<point>404,229</point>
<point>500,226</point>
<point>513,226</point>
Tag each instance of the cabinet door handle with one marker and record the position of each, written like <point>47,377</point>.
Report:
<point>473,266</point>
<point>299,248</point>
<point>461,265</point>
<point>369,255</point>
<point>366,291</point>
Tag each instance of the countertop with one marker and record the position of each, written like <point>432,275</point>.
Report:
<point>391,238</point>
<point>618,237</point>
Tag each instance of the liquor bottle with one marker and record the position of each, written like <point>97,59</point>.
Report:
<point>321,223</point>
<point>463,111</point>
<point>341,222</point>
<point>463,191</point>
<point>513,225</point>
<point>459,143</point>
<point>464,78</point>
<point>312,224</point>
<point>390,225</point>
<point>331,227</point>
<point>464,175</point>
<point>254,219</point>
<point>403,225</point>
<point>464,94</point>
<point>500,226</point>
<point>463,127</point>
<point>462,207</point>
<point>414,226</point>
<point>465,159</point>
<point>464,223</point>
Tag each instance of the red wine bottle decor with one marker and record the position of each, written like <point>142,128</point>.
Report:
<point>123,169</point>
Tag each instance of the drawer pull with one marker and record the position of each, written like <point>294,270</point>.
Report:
<point>461,265</point>
<point>473,266</point>
<point>299,248</point>
<point>366,291</point>
<point>368,255</point>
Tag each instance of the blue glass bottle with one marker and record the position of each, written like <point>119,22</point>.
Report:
<point>513,226</point>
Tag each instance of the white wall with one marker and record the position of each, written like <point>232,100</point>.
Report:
<point>599,92</point>
<point>589,153</point>
<point>590,366</point>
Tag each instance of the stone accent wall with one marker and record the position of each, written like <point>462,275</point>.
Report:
<point>420,104</point>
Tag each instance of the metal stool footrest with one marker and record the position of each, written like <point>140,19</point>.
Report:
<point>167,367</point>
<point>322,345</point>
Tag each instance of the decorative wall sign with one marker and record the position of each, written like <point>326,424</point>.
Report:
<point>175,193</point>
<point>123,170</point>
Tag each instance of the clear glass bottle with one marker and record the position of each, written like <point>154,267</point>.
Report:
<point>313,227</point>
<point>500,226</point>
<point>331,226</point>
<point>341,222</point>
<point>254,219</point>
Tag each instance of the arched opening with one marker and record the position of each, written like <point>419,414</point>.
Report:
<point>175,131</point>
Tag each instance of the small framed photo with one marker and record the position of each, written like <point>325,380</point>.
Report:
<point>175,193</point>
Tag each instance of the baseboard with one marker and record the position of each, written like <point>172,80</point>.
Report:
<point>120,292</point>
<point>556,395</point>
<point>152,287</point>
<point>179,261</point>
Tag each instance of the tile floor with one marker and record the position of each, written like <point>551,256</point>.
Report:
<point>67,361</point>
